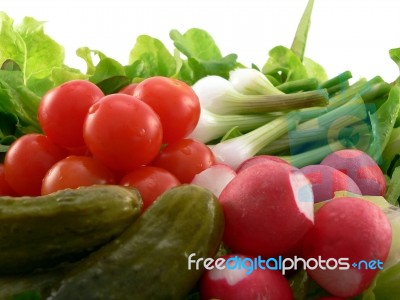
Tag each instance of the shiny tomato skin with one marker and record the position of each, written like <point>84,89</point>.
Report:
<point>174,101</point>
<point>122,132</point>
<point>27,161</point>
<point>150,181</point>
<point>185,159</point>
<point>76,171</point>
<point>128,89</point>
<point>5,188</point>
<point>63,110</point>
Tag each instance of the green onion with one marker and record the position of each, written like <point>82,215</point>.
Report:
<point>212,126</point>
<point>236,150</point>
<point>217,95</point>
<point>252,82</point>
<point>314,156</point>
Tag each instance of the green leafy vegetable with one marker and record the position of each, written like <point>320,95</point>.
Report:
<point>387,284</point>
<point>315,70</point>
<point>28,57</point>
<point>20,105</point>
<point>154,56</point>
<point>393,191</point>
<point>88,55</point>
<point>109,75</point>
<point>391,150</point>
<point>284,65</point>
<point>382,123</point>
<point>203,55</point>
<point>395,55</point>
<point>35,53</point>
<point>63,74</point>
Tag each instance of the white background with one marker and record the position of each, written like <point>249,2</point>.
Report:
<point>353,35</point>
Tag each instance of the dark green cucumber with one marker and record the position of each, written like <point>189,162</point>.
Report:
<point>39,283</point>
<point>39,232</point>
<point>150,259</point>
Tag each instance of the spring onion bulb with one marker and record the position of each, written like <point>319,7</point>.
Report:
<point>212,126</point>
<point>217,95</point>
<point>252,82</point>
<point>236,150</point>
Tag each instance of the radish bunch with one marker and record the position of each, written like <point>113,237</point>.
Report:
<point>270,213</point>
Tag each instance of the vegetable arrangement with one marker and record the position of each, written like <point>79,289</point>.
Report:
<point>141,167</point>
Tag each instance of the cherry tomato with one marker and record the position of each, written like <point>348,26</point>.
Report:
<point>5,188</point>
<point>150,181</point>
<point>63,110</point>
<point>174,101</point>
<point>185,159</point>
<point>122,132</point>
<point>27,161</point>
<point>75,171</point>
<point>80,151</point>
<point>128,89</point>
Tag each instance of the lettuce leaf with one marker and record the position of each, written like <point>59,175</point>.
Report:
<point>153,58</point>
<point>383,121</point>
<point>203,55</point>
<point>32,50</point>
<point>285,65</point>
<point>395,55</point>
<point>27,58</point>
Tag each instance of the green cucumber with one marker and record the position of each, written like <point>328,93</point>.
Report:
<point>39,283</point>
<point>150,259</point>
<point>40,232</point>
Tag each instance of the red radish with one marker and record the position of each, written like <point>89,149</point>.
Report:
<point>240,281</point>
<point>326,181</point>
<point>267,210</point>
<point>215,178</point>
<point>347,231</point>
<point>259,159</point>
<point>361,168</point>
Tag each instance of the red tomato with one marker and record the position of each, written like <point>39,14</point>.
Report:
<point>185,159</point>
<point>27,161</point>
<point>63,109</point>
<point>80,151</point>
<point>150,181</point>
<point>122,132</point>
<point>75,171</point>
<point>174,101</point>
<point>5,188</point>
<point>128,89</point>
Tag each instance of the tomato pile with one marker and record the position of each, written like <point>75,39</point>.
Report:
<point>136,137</point>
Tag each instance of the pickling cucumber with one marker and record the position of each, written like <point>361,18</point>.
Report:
<point>38,283</point>
<point>39,232</point>
<point>150,259</point>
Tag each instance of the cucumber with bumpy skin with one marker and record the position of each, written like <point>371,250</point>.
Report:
<point>150,259</point>
<point>39,283</point>
<point>40,232</point>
